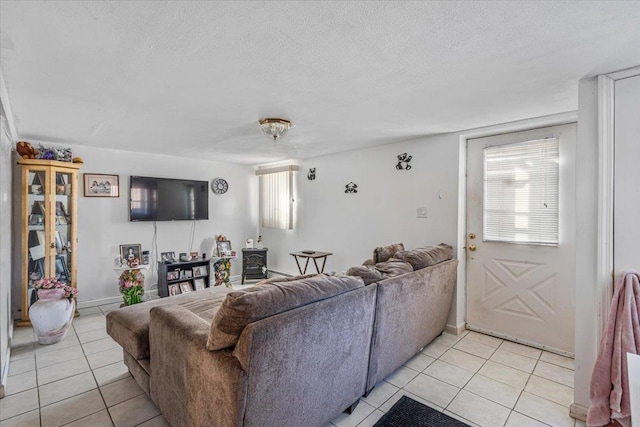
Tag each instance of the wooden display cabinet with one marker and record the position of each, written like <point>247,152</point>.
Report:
<point>49,225</point>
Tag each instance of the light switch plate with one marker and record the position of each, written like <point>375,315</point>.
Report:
<point>421,212</point>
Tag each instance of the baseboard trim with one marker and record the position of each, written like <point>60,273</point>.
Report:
<point>578,412</point>
<point>455,330</point>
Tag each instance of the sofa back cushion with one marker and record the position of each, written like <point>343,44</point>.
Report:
<point>250,305</point>
<point>393,267</point>
<point>424,257</point>
<point>383,253</point>
<point>368,273</point>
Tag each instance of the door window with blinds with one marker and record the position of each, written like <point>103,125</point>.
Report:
<point>521,192</point>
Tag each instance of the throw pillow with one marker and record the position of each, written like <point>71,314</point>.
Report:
<point>368,273</point>
<point>383,253</point>
<point>250,305</point>
<point>424,257</point>
<point>393,267</point>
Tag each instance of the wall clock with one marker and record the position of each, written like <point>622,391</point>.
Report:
<point>219,186</point>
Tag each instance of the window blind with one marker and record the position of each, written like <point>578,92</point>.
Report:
<point>521,193</point>
<point>276,197</point>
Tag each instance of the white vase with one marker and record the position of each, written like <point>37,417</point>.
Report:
<point>51,315</point>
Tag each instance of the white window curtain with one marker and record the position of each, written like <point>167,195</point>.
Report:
<point>521,192</point>
<point>276,197</point>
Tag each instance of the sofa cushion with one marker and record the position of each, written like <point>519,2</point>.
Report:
<point>383,253</point>
<point>368,273</point>
<point>424,257</point>
<point>129,326</point>
<point>393,267</point>
<point>250,305</point>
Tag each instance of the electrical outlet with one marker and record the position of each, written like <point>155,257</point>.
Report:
<point>421,212</point>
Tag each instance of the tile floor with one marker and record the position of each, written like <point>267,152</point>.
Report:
<point>482,380</point>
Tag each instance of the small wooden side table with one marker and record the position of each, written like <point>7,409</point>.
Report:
<point>314,255</point>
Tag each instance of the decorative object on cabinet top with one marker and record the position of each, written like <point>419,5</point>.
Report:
<point>27,151</point>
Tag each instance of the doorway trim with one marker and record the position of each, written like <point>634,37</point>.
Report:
<point>520,125</point>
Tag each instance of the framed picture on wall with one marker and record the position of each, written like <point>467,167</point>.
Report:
<point>101,185</point>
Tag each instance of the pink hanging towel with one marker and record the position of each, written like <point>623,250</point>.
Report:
<point>610,381</point>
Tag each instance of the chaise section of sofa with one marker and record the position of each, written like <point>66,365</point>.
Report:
<point>302,366</point>
<point>129,326</point>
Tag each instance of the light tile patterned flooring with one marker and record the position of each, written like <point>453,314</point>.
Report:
<point>482,380</point>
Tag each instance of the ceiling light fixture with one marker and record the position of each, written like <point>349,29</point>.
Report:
<point>275,128</point>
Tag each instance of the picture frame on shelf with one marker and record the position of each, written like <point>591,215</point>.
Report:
<point>194,255</point>
<point>60,209</point>
<point>131,254</point>
<point>199,284</point>
<point>185,287</point>
<point>42,237</point>
<point>35,219</point>
<point>168,256</point>
<point>199,271</point>
<point>38,208</point>
<point>101,185</point>
<point>59,241</point>
<point>62,271</point>
<point>224,247</point>
<point>173,275</point>
<point>174,290</point>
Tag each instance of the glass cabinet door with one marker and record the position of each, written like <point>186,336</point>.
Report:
<point>48,226</point>
<point>37,239</point>
<point>63,222</point>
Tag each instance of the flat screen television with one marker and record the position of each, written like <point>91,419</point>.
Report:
<point>163,199</point>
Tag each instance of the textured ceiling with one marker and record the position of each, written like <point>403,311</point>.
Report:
<point>193,78</point>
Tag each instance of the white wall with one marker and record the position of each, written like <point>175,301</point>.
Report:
<point>382,212</point>
<point>103,223</point>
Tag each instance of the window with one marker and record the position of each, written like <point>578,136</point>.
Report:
<point>276,197</point>
<point>521,192</point>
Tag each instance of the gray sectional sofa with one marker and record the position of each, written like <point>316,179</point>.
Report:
<point>285,353</point>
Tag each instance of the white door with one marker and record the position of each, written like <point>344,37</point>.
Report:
<point>520,269</point>
<point>626,229</point>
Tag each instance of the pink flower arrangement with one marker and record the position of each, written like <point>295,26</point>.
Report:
<point>131,286</point>
<point>53,283</point>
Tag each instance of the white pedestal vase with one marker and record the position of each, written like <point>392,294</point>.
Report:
<point>51,315</point>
